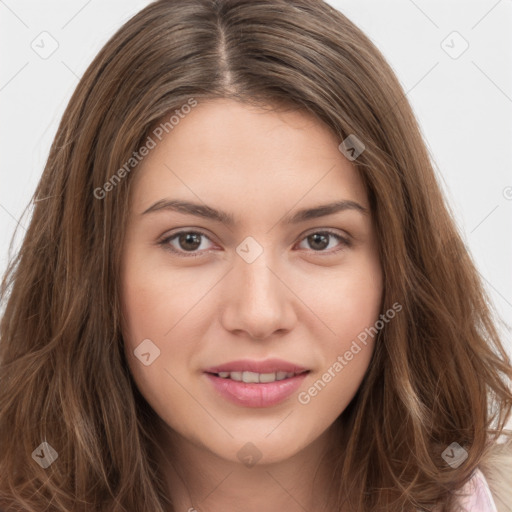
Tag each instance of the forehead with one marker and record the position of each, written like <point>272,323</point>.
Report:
<point>242,157</point>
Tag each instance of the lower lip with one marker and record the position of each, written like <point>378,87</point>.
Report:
<point>256,395</point>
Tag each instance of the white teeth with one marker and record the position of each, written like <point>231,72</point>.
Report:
<point>267,377</point>
<point>253,377</point>
<point>250,377</point>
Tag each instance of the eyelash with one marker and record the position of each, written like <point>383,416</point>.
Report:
<point>345,242</point>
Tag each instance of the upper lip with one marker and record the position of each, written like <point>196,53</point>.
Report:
<point>250,365</point>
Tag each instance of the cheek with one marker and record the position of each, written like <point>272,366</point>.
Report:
<point>350,300</point>
<point>351,303</point>
<point>151,308</point>
<point>155,303</point>
<point>141,304</point>
<point>151,303</point>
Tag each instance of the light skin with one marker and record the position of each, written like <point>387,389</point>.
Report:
<point>304,299</point>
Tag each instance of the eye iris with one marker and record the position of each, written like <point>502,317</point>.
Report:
<point>315,237</point>
<point>189,238</point>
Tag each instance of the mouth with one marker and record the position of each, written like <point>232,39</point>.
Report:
<point>250,383</point>
<point>257,378</point>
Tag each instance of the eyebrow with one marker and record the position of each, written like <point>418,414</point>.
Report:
<point>207,212</point>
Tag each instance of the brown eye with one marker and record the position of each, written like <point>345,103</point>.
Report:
<point>185,242</point>
<point>188,243</point>
<point>321,240</point>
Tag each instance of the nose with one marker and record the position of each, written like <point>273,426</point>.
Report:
<point>258,300</point>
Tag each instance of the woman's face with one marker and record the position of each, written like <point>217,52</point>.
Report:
<point>226,302</point>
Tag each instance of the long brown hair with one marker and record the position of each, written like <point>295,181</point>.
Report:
<point>439,372</point>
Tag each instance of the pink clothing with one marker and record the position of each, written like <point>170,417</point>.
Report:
<point>478,495</point>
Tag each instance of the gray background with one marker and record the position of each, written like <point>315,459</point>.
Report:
<point>463,102</point>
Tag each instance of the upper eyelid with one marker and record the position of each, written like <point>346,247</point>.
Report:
<point>333,231</point>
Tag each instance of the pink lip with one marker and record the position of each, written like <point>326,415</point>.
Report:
<point>256,395</point>
<point>250,365</point>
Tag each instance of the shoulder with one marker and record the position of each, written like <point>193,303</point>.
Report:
<point>495,475</point>
<point>476,495</point>
<point>490,487</point>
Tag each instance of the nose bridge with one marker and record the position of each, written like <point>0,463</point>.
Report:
<point>253,270</point>
<point>257,300</point>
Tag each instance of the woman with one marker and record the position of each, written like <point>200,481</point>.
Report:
<point>255,369</point>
